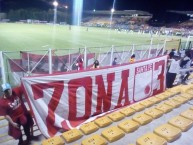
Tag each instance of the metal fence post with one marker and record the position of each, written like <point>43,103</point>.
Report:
<point>164,49</point>
<point>150,48</point>
<point>85,57</point>
<point>111,59</point>
<point>2,67</point>
<point>133,49</point>
<point>50,61</point>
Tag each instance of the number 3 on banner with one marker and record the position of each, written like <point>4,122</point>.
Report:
<point>38,93</point>
<point>160,77</point>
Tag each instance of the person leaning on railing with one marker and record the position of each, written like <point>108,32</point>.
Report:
<point>13,109</point>
<point>132,59</point>
<point>96,64</point>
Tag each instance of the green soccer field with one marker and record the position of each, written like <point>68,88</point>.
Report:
<point>14,37</point>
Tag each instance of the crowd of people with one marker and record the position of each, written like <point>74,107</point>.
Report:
<point>178,64</point>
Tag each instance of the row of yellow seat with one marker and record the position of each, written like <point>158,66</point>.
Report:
<point>170,131</point>
<point>114,133</point>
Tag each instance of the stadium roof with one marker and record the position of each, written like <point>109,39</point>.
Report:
<point>124,12</point>
<point>188,13</point>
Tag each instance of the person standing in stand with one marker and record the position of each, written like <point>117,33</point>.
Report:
<point>185,64</point>
<point>79,64</point>
<point>114,61</point>
<point>96,64</point>
<point>173,70</point>
<point>13,109</point>
<point>132,59</point>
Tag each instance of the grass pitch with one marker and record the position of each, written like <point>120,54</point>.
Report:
<point>17,37</point>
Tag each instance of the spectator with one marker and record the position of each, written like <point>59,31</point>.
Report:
<point>79,64</point>
<point>64,68</point>
<point>171,54</point>
<point>74,67</point>
<point>14,110</point>
<point>114,61</point>
<point>96,64</point>
<point>132,59</point>
<point>185,64</point>
<point>182,53</point>
<point>173,70</point>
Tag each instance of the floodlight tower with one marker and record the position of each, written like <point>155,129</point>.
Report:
<point>55,3</point>
<point>111,18</point>
<point>66,16</point>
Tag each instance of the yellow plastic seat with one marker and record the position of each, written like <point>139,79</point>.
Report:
<point>154,113</point>
<point>151,139</point>
<point>185,89</point>
<point>57,140</point>
<point>89,128</point>
<point>182,123</point>
<point>174,90</point>
<point>142,119</point>
<point>155,100</point>
<point>72,135</point>
<point>187,95</point>
<point>168,132</point>
<point>180,99</point>
<point>137,107</point>
<point>103,121</point>
<point>187,114</point>
<point>190,91</point>
<point>162,96</point>
<point>127,111</point>
<point>168,93</point>
<point>172,103</point>
<point>113,133</point>
<point>128,126</point>
<point>116,116</point>
<point>94,140</point>
<point>146,103</point>
<point>165,108</point>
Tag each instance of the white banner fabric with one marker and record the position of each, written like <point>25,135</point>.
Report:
<point>64,101</point>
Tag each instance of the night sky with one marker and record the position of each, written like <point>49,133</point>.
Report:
<point>157,7</point>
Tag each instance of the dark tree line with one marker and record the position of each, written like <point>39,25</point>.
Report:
<point>36,14</point>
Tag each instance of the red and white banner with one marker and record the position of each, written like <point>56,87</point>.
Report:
<point>64,101</point>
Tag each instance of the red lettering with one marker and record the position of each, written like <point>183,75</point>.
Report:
<point>103,97</point>
<point>73,85</point>
<point>38,93</point>
<point>124,93</point>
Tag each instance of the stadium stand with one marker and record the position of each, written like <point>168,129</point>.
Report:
<point>138,21</point>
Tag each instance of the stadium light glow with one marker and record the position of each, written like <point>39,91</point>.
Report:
<point>77,12</point>
<point>94,10</point>
<point>55,3</point>
<point>112,10</point>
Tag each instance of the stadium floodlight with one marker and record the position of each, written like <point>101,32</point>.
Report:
<point>112,10</point>
<point>55,3</point>
<point>94,10</point>
<point>66,7</point>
